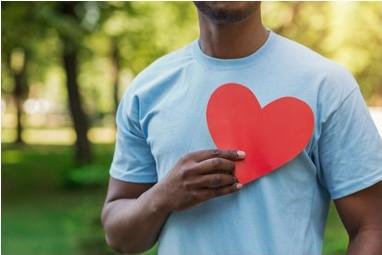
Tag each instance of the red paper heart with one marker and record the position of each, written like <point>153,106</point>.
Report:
<point>271,136</point>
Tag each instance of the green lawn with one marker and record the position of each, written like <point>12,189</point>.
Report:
<point>47,209</point>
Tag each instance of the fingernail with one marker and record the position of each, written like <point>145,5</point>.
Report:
<point>239,186</point>
<point>241,154</point>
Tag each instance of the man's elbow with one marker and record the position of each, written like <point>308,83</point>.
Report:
<point>123,246</point>
<point>114,245</point>
<point>112,237</point>
<point>118,241</point>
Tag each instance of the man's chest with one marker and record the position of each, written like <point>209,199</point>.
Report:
<point>177,124</point>
<point>176,128</point>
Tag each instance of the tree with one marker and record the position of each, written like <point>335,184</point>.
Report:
<point>15,58</point>
<point>136,34</point>
<point>348,33</point>
<point>24,28</point>
<point>71,22</point>
<point>19,71</point>
<point>70,60</point>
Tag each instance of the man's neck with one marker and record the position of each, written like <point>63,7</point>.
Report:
<point>232,40</point>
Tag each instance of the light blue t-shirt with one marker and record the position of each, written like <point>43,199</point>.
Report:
<point>162,116</point>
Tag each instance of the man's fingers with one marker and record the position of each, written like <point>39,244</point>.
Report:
<point>215,181</point>
<point>215,165</point>
<point>211,193</point>
<point>217,153</point>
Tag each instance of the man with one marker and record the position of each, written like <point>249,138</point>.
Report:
<point>169,184</point>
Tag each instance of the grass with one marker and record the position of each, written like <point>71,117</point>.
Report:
<point>335,239</point>
<point>43,213</point>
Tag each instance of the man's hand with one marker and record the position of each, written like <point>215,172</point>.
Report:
<point>134,213</point>
<point>197,177</point>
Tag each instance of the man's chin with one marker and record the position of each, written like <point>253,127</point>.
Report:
<point>227,12</point>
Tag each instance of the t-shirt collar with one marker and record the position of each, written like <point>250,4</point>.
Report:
<point>203,58</point>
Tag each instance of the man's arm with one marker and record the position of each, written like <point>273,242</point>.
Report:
<point>134,214</point>
<point>361,214</point>
<point>122,206</point>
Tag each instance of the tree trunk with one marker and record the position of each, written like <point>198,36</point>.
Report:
<point>79,119</point>
<point>19,93</point>
<point>19,126</point>
<point>116,70</point>
<point>80,122</point>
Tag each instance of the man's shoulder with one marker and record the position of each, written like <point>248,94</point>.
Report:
<point>163,67</point>
<point>299,55</point>
<point>307,64</point>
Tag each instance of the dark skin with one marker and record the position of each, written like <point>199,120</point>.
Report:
<point>139,211</point>
<point>361,214</point>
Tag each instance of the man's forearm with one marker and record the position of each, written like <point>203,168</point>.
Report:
<point>366,242</point>
<point>133,225</point>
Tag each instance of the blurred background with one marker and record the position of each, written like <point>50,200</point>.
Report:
<point>64,66</point>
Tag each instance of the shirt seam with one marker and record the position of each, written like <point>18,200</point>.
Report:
<point>315,145</point>
<point>352,91</point>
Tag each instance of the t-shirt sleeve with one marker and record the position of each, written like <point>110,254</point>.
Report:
<point>132,160</point>
<point>350,148</point>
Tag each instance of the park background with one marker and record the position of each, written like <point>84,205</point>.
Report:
<point>64,66</point>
